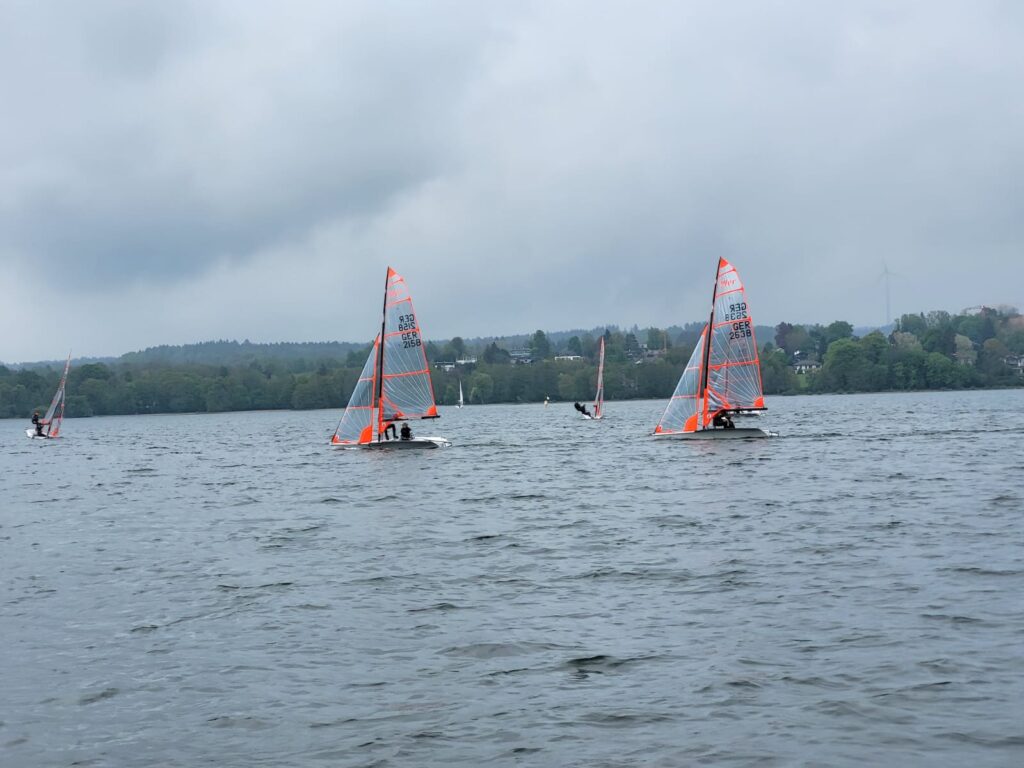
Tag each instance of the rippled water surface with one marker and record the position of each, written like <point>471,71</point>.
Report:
<point>224,590</point>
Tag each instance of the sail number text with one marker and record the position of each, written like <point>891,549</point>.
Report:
<point>407,327</point>
<point>740,330</point>
<point>736,312</point>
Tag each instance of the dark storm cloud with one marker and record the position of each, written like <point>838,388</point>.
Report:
<point>531,165</point>
<point>151,145</point>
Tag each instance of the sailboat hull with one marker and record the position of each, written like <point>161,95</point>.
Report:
<point>719,434</point>
<point>402,445</point>
<point>31,434</point>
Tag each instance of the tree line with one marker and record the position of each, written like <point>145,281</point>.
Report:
<point>924,351</point>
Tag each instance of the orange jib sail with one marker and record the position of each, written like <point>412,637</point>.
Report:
<point>356,425</point>
<point>599,397</point>
<point>682,409</point>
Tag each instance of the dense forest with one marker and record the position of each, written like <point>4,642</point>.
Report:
<point>937,350</point>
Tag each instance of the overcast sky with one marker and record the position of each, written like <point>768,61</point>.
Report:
<point>177,172</point>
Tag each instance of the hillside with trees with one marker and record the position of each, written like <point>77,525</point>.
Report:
<point>936,350</point>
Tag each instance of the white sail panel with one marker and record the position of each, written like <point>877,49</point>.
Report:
<point>356,425</point>
<point>407,391</point>
<point>599,397</point>
<point>681,414</point>
<point>734,370</point>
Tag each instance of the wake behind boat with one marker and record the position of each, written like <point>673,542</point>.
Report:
<point>394,385</point>
<point>49,426</point>
<point>723,375</point>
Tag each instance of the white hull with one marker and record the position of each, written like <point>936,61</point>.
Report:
<point>720,434</point>
<point>31,434</point>
<point>416,442</point>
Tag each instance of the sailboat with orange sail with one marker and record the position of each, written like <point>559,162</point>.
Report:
<point>394,385</point>
<point>723,375</point>
<point>49,425</point>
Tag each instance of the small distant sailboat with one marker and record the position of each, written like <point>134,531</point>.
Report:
<point>461,402</point>
<point>51,422</point>
<point>394,384</point>
<point>723,374</point>
<point>599,397</point>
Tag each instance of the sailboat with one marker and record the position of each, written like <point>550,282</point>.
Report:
<point>461,402</point>
<point>394,384</point>
<point>55,413</point>
<point>723,374</point>
<point>599,397</point>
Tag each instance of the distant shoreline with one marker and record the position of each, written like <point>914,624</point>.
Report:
<point>340,408</point>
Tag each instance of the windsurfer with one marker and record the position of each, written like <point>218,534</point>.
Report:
<point>38,423</point>
<point>406,432</point>
<point>723,419</point>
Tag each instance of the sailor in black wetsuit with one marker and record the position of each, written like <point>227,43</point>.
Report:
<point>581,408</point>
<point>722,419</point>
<point>38,423</point>
<point>406,432</point>
<point>390,428</point>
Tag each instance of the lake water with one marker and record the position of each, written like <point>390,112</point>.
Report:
<point>224,590</point>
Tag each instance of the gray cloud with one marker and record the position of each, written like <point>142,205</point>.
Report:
<point>543,165</point>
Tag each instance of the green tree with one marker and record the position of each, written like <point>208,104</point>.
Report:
<point>481,387</point>
<point>540,347</point>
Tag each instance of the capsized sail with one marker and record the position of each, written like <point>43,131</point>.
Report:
<point>599,397</point>
<point>356,425</point>
<point>681,413</point>
<point>55,413</point>
<point>733,379</point>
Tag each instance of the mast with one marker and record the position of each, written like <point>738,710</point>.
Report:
<point>380,356</point>
<point>702,392</point>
